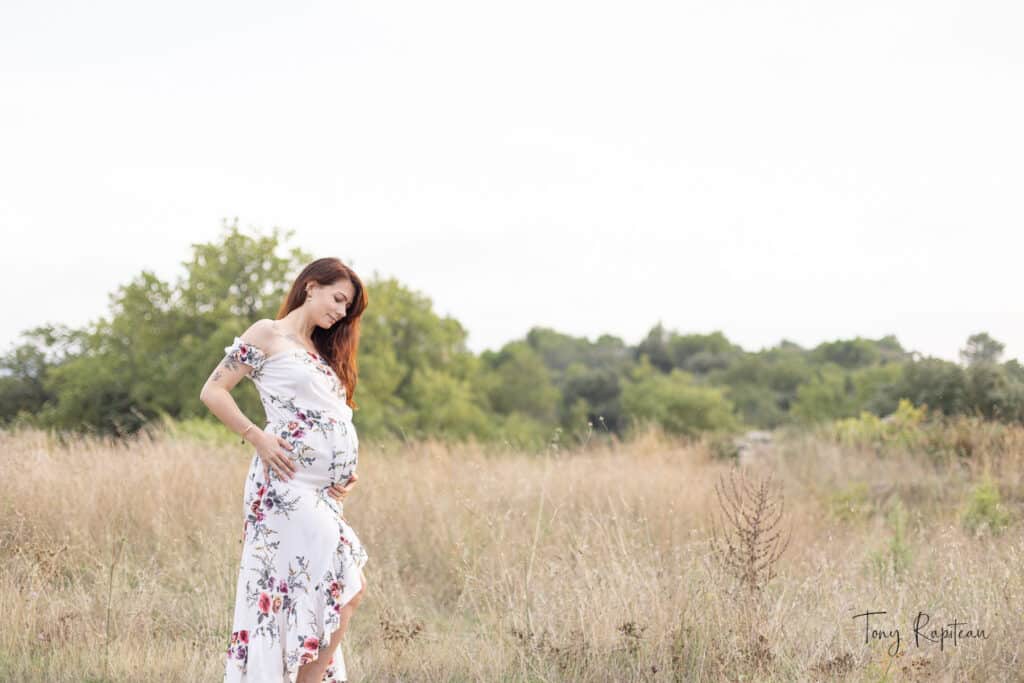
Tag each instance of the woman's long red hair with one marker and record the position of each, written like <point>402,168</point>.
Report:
<point>339,343</point>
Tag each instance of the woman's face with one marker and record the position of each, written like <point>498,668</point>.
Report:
<point>331,302</point>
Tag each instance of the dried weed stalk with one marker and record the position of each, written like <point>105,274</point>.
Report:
<point>751,548</point>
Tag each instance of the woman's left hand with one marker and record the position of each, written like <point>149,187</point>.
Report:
<point>338,492</point>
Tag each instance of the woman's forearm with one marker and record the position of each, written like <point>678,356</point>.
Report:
<point>221,404</point>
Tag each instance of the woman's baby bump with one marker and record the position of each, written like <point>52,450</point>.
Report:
<point>323,456</point>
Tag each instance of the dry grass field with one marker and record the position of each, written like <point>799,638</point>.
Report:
<point>118,562</point>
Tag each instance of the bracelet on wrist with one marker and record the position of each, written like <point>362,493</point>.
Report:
<point>246,430</point>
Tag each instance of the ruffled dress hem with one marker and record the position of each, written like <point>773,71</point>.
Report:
<point>330,620</point>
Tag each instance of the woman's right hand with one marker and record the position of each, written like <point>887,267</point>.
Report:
<point>273,452</point>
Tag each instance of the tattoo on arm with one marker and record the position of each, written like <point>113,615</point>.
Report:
<point>229,364</point>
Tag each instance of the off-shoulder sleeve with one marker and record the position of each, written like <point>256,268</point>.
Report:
<point>247,353</point>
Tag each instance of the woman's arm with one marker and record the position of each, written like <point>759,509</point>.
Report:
<point>221,404</point>
<point>216,392</point>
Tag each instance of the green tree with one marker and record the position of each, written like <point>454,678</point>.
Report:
<point>830,394</point>
<point>764,385</point>
<point>151,353</point>
<point>594,395</point>
<point>676,402</point>
<point>517,380</point>
<point>991,392</point>
<point>405,349</point>
<point>934,382</point>
<point>23,390</point>
<point>981,348</point>
<point>848,353</point>
<point>699,354</point>
<point>655,347</point>
<point>447,406</point>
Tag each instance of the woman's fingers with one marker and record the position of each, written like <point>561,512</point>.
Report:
<point>275,462</point>
<point>283,451</point>
<point>282,465</point>
<point>287,466</point>
<point>286,462</point>
<point>347,487</point>
<point>338,491</point>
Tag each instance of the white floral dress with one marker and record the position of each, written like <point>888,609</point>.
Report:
<point>301,560</point>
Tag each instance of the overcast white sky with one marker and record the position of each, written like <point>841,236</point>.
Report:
<point>801,170</point>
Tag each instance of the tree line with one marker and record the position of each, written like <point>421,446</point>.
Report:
<point>148,357</point>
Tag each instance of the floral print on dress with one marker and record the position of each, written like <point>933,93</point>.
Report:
<point>301,560</point>
<point>238,647</point>
<point>268,500</point>
<point>321,365</point>
<point>244,352</point>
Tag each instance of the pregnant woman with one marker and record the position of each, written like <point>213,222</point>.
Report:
<point>301,575</point>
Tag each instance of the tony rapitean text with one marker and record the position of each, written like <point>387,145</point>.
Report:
<point>924,635</point>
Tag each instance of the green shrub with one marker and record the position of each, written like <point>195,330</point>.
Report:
<point>204,430</point>
<point>984,511</point>
<point>894,558</point>
<point>905,428</point>
<point>722,445</point>
<point>851,503</point>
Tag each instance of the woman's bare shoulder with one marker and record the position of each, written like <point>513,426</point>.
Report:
<point>260,334</point>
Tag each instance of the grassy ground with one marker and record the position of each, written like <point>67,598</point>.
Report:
<point>119,562</point>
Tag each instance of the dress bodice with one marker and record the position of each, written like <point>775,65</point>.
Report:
<point>305,404</point>
<point>292,376</point>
